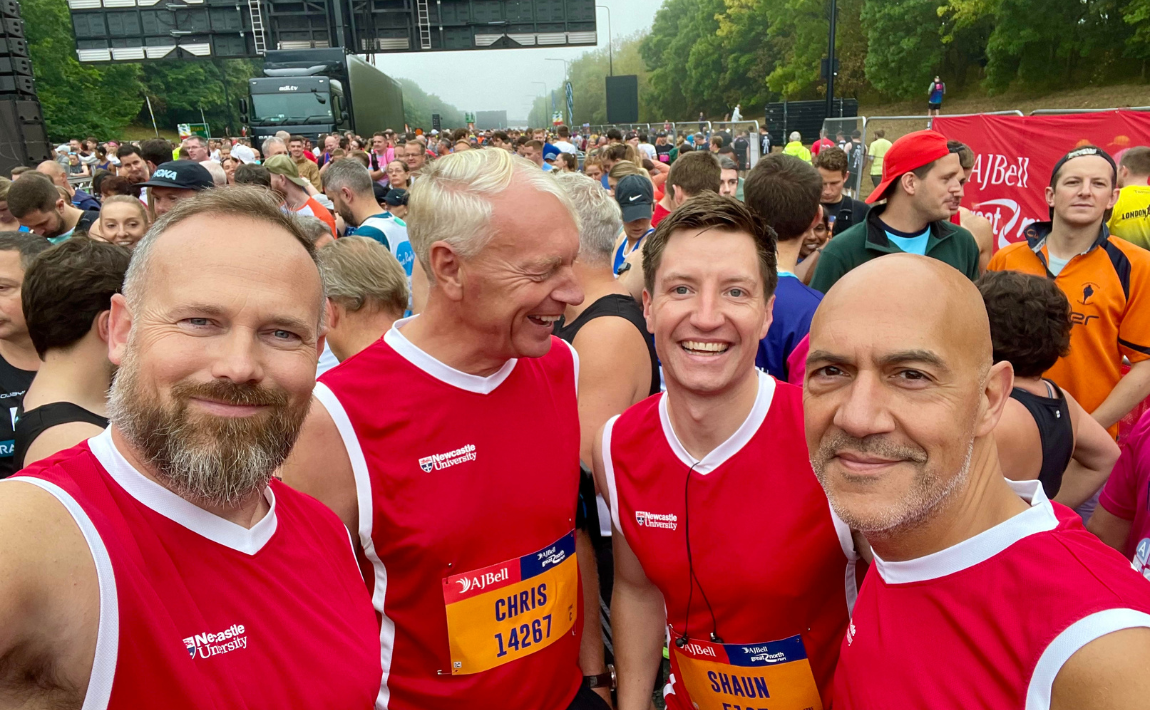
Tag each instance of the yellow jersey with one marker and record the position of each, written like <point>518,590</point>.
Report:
<point>1130,219</point>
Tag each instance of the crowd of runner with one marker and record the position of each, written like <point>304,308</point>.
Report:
<point>602,417</point>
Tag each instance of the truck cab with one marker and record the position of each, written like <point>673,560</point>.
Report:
<point>299,105</point>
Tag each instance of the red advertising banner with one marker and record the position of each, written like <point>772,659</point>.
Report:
<point>1015,155</point>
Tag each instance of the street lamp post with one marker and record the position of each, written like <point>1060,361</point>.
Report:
<point>831,61</point>
<point>610,41</point>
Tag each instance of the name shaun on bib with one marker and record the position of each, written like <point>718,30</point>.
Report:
<point>500,613</point>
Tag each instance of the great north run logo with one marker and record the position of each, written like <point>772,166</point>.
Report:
<point>207,645</point>
<point>437,462</point>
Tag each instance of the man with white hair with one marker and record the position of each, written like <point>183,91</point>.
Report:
<point>450,448</point>
<point>159,564</point>
<point>796,147</point>
<point>273,146</point>
<point>219,177</point>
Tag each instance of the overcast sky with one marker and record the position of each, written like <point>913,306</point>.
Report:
<point>502,79</point>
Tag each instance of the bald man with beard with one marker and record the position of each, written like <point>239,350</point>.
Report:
<point>983,592</point>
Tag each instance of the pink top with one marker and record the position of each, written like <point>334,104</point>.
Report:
<point>1125,494</point>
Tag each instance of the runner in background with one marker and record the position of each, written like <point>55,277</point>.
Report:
<point>1104,278</point>
<point>875,154</point>
<point>617,368</point>
<point>934,97</point>
<point>978,226</point>
<point>1044,433</point>
<point>1130,219</point>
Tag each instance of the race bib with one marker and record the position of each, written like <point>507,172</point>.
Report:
<point>1141,561</point>
<point>762,676</point>
<point>513,609</point>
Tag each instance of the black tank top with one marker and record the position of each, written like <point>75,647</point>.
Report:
<point>35,422</point>
<point>1055,430</point>
<point>622,306</point>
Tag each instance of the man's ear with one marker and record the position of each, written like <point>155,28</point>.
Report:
<point>446,269</point>
<point>119,326</point>
<point>999,383</point>
<point>102,325</point>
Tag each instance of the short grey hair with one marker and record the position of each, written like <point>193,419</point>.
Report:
<point>451,201</point>
<point>359,272</point>
<point>219,177</point>
<point>726,163</point>
<point>599,213</point>
<point>270,142</point>
<point>796,136</point>
<point>253,203</point>
<point>349,173</point>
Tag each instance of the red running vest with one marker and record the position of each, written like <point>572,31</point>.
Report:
<point>467,488</point>
<point>989,622</point>
<point>198,613</point>
<point>768,551</point>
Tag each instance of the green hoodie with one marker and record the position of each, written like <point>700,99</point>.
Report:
<point>867,240</point>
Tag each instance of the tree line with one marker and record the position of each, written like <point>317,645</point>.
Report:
<point>708,55</point>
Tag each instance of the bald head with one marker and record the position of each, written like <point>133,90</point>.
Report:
<point>900,394</point>
<point>55,171</point>
<point>920,302</point>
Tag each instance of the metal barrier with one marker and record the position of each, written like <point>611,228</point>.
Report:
<point>1059,111</point>
<point>751,128</point>
<point>82,182</point>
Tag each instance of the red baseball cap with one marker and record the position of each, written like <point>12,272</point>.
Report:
<point>908,153</point>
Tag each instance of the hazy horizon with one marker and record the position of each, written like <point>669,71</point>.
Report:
<point>508,79</point>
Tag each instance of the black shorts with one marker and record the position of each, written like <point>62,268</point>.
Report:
<point>934,107</point>
<point>587,699</point>
<point>876,179</point>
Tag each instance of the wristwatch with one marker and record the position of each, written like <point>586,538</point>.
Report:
<point>603,680</point>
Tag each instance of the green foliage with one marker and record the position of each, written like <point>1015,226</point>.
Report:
<point>904,45</point>
<point>707,55</point>
<point>418,106</point>
<point>179,90</point>
<point>78,100</point>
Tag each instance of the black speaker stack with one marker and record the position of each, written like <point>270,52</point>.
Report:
<point>23,137</point>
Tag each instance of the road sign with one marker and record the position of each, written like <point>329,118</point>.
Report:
<point>187,130</point>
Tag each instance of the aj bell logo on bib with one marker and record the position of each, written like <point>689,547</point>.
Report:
<point>437,462</point>
<point>206,645</point>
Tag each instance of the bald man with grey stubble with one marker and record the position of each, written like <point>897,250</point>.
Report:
<point>983,593</point>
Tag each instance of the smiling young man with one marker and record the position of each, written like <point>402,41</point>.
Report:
<point>755,604</point>
<point>922,186</point>
<point>982,593</point>
<point>460,490</point>
<point>1104,277</point>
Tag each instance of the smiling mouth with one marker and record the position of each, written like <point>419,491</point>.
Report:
<point>697,347</point>
<point>545,321</point>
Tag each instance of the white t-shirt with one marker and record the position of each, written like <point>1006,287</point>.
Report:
<point>649,151</point>
<point>565,147</point>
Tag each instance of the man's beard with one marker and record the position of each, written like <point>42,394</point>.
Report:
<point>208,460</point>
<point>56,230</point>
<point>927,493</point>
